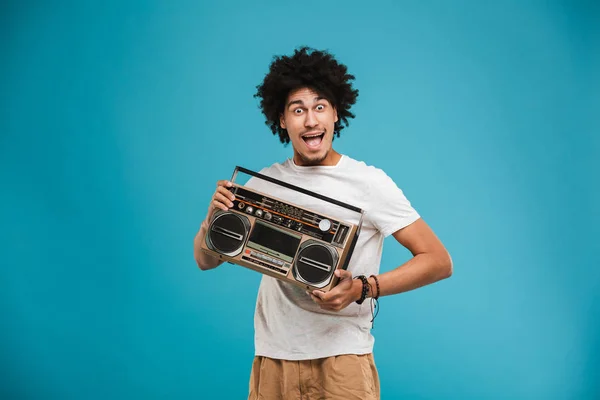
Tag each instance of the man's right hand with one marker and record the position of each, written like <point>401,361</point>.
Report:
<point>222,199</point>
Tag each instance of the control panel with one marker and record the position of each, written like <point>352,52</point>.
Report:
<point>290,217</point>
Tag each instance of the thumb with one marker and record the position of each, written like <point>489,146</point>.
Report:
<point>343,274</point>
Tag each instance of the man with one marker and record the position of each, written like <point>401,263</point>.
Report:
<point>319,345</point>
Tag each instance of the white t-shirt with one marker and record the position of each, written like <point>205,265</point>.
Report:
<point>288,324</point>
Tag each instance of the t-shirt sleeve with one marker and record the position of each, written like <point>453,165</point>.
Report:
<point>389,209</point>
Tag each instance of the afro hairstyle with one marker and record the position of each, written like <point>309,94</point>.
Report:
<point>306,68</point>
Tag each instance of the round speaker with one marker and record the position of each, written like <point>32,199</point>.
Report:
<point>227,233</point>
<point>315,262</point>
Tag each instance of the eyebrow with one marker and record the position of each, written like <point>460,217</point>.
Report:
<point>300,102</point>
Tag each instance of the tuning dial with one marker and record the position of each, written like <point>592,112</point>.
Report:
<point>324,225</point>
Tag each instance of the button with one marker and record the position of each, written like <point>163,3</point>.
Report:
<point>324,225</point>
<point>273,261</point>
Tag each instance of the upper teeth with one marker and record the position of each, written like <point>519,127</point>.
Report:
<point>315,135</point>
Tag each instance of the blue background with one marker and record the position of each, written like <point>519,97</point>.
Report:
<point>117,120</point>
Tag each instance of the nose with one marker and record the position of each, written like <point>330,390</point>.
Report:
<point>311,119</point>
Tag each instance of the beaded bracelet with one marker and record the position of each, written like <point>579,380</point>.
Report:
<point>365,284</point>
<point>376,285</point>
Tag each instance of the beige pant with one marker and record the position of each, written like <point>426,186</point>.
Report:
<point>344,377</point>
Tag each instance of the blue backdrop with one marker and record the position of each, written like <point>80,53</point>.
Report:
<point>117,120</point>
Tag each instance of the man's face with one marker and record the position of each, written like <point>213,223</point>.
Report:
<point>309,120</point>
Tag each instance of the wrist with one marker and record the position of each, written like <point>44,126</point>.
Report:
<point>204,225</point>
<point>363,287</point>
<point>373,287</point>
<point>370,287</point>
<point>357,287</point>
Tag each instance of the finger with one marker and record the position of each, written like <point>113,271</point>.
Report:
<point>335,306</point>
<point>219,205</point>
<point>223,200</point>
<point>315,298</point>
<point>315,294</point>
<point>225,192</point>
<point>224,183</point>
<point>334,303</point>
<point>343,273</point>
<point>324,305</point>
<point>324,296</point>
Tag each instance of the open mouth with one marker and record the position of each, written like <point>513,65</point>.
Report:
<point>313,140</point>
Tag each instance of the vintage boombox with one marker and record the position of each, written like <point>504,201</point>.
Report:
<point>280,239</point>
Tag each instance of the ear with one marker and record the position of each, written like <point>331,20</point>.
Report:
<point>282,121</point>
<point>335,113</point>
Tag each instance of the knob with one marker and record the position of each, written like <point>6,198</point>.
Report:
<point>249,209</point>
<point>259,213</point>
<point>324,225</point>
<point>268,216</point>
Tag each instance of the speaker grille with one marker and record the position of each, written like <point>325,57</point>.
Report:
<point>228,232</point>
<point>315,262</point>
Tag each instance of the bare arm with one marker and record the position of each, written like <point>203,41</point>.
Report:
<point>204,261</point>
<point>431,262</point>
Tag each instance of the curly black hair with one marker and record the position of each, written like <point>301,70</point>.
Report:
<point>310,68</point>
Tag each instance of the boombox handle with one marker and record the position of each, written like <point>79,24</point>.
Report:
<point>299,189</point>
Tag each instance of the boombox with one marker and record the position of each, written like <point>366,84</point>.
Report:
<point>280,239</point>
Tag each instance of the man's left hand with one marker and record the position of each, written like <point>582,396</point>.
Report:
<point>338,298</point>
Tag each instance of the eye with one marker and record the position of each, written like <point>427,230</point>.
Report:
<point>298,111</point>
<point>320,107</point>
